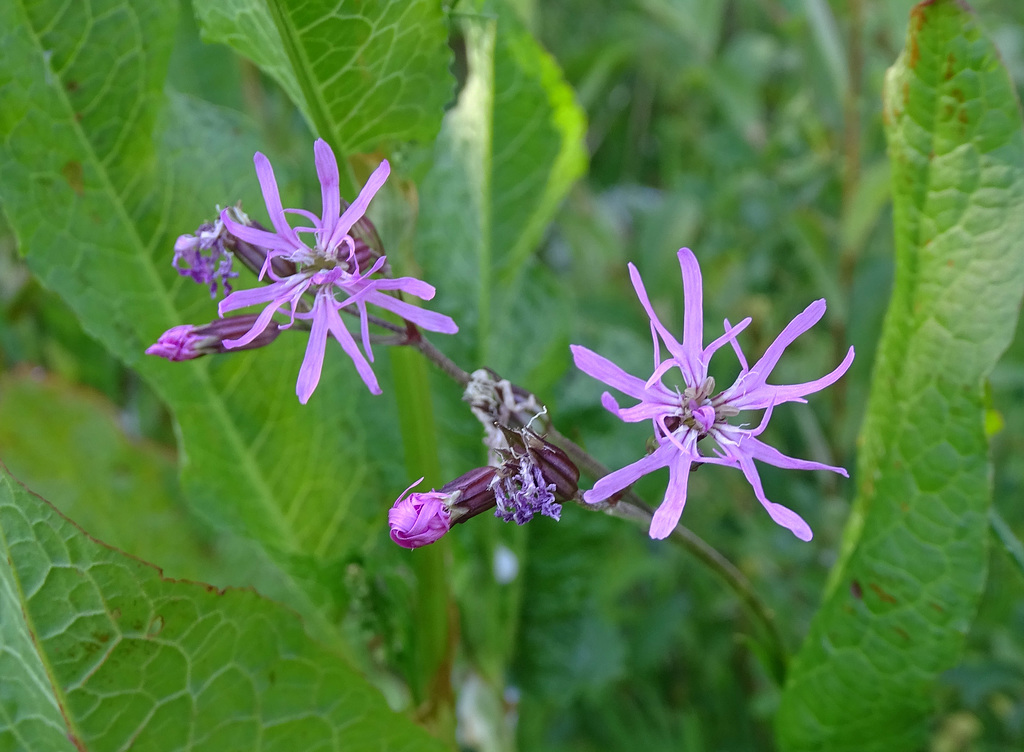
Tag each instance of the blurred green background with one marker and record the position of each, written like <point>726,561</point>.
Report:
<point>749,131</point>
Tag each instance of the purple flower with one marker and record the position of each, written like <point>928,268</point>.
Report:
<point>684,415</point>
<point>419,518</point>
<point>328,268</point>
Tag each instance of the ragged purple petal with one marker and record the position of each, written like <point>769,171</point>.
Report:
<point>607,372</point>
<point>666,517</point>
<point>616,481</point>
<point>330,192</point>
<point>272,198</point>
<point>313,360</point>
<point>782,515</point>
<point>358,207</point>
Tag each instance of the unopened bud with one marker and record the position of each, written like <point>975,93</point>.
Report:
<point>419,518</point>
<point>472,493</point>
<point>186,342</point>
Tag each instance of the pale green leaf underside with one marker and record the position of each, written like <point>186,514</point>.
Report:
<point>914,559</point>
<point>507,155</point>
<point>132,660</point>
<point>364,74</point>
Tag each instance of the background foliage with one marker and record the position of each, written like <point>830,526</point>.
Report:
<point>752,131</point>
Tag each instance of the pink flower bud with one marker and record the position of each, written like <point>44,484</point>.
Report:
<point>186,342</point>
<point>419,518</point>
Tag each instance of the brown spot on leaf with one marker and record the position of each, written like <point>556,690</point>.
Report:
<point>916,22</point>
<point>937,607</point>
<point>72,172</point>
<point>856,590</point>
<point>71,86</point>
<point>950,70</point>
<point>881,593</point>
<point>115,614</point>
<point>902,633</point>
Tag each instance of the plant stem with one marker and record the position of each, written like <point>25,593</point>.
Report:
<point>848,253</point>
<point>632,507</point>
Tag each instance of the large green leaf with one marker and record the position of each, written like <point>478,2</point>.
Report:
<point>96,209</point>
<point>89,468</point>
<point>364,74</point>
<point>904,592</point>
<point>99,651</point>
<point>507,155</point>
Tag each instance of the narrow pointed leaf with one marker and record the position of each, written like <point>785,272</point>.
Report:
<point>506,157</point>
<point>906,588</point>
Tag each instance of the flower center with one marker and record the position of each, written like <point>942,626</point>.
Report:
<point>697,410</point>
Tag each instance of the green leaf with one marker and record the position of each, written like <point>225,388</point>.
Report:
<point>506,157</point>
<point>364,74</point>
<point>95,209</point>
<point>86,466</point>
<point>108,654</point>
<point>89,468</point>
<point>912,570</point>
